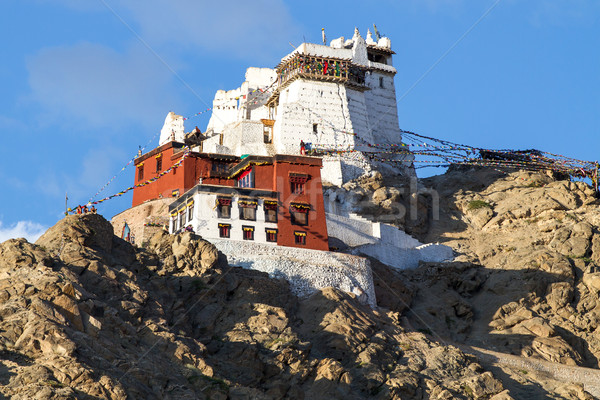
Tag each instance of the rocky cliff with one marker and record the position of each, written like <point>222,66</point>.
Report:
<point>86,315</point>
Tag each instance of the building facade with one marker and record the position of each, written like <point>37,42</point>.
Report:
<point>339,99</point>
<point>185,169</point>
<point>274,200</point>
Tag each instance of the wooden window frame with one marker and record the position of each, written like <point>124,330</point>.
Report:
<point>271,231</point>
<point>247,232</point>
<point>224,230</point>
<point>300,238</point>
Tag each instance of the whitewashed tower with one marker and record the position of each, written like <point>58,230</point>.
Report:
<point>336,97</point>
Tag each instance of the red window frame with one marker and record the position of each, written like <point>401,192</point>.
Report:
<point>271,235</point>
<point>223,208</point>
<point>297,187</point>
<point>247,232</point>
<point>224,230</point>
<point>297,182</point>
<point>300,238</point>
<point>299,214</point>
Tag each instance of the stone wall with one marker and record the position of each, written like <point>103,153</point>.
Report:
<point>141,216</point>
<point>306,270</point>
<point>384,242</point>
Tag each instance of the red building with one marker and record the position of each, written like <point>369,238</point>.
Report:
<point>276,199</point>
<point>183,177</point>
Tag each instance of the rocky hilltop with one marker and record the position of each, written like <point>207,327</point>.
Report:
<point>86,315</point>
<point>83,314</point>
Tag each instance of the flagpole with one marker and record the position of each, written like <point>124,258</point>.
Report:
<point>66,206</point>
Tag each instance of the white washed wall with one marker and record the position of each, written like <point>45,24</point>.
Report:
<point>384,242</point>
<point>206,223</point>
<point>304,103</point>
<point>306,270</point>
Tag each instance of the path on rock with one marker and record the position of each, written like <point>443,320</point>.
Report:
<point>588,377</point>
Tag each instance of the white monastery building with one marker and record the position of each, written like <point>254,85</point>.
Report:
<point>336,97</point>
<point>251,183</point>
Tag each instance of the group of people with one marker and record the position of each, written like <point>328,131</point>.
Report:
<point>305,148</point>
<point>85,210</point>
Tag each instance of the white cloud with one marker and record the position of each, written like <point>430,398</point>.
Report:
<point>27,229</point>
<point>90,84</point>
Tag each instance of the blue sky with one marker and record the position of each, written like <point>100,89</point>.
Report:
<point>81,91</point>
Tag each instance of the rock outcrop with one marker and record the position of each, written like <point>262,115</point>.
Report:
<point>86,315</point>
<point>525,281</point>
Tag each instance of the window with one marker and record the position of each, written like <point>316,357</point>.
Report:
<point>315,128</point>
<point>248,232</point>
<point>297,182</point>
<point>381,82</point>
<point>246,179</point>
<point>378,58</point>
<point>219,167</point>
<point>190,211</point>
<point>159,163</point>
<point>181,219</point>
<point>270,211</point>
<point>297,188</point>
<point>299,213</point>
<point>268,134</point>
<point>224,230</point>
<point>247,209</point>
<point>300,238</point>
<point>272,111</point>
<point>271,235</point>
<point>140,172</point>
<point>174,219</point>
<point>223,207</point>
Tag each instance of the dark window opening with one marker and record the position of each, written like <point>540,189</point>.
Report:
<point>140,173</point>
<point>224,230</point>
<point>297,188</point>
<point>248,213</point>
<point>268,134</point>
<point>248,232</point>
<point>381,82</point>
<point>224,211</point>
<point>270,215</point>
<point>247,209</point>
<point>271,235</point>
<point>223,207</point>
<point>190,212</point>
<point>300,238</point>
<point>219,167</point>
<point>159,164</point>
<point>315,128</point>
<point>378,58</point>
